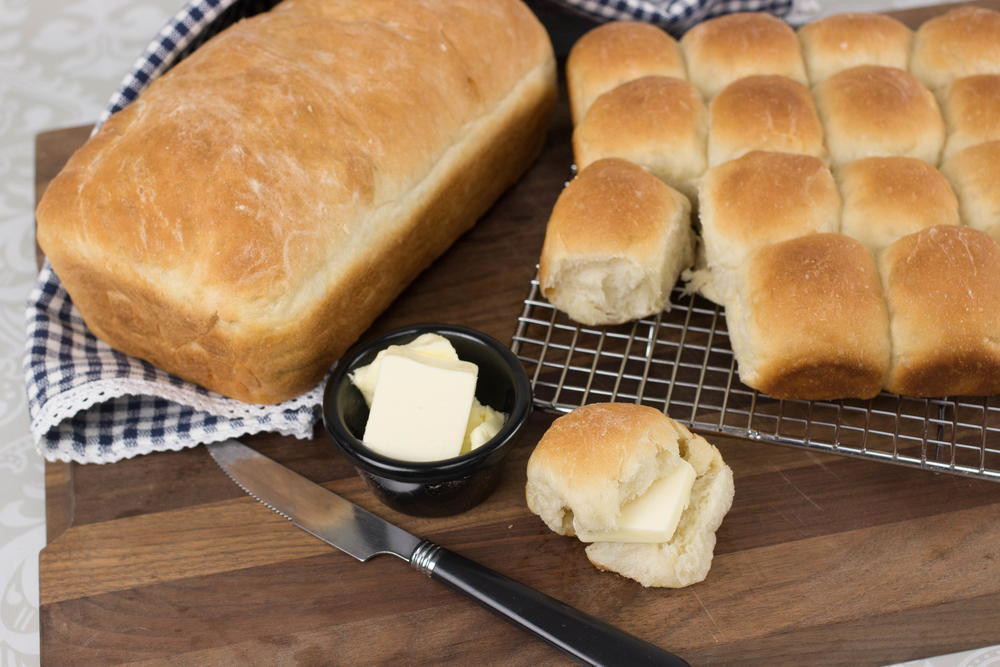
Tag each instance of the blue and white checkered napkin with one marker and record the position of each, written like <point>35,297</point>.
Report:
<point>91,404</point>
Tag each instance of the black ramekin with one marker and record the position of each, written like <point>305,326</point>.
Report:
<point>434,488</point>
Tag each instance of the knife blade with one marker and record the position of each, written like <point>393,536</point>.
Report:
<point>363,535</point>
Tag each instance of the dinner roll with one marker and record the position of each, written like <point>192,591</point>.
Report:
<point>961,42</point>
<point>870,111</point>
<point>886,198</point>
<point>614,53</point>
<point>724,49</point>
<point>593,460</point>
<point>615,244</point>
<point>759,199</point>
<point>808,320</point>
<point>842,41</point>
<point>657,122</point>
<point>943,287</point>
<point>972,112</point>
<point>975,175</point>
<point>770,113</point>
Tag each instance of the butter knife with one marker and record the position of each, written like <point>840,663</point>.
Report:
<point>359,533</point>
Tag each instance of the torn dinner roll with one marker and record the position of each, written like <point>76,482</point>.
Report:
<point>886,198</point>
<point>657,122</point>
<point>759,199</point>
<point>962,42</point>
<point>724,49</point>
<point>972,112</point>
<point>616,242</point>
<point>842,41</point>
<point>943,289</point>
<point>614,53</point>
<point>871,111</point>
<point>808,320</point>
<point>593,464</point>
<point>975,175</point>
<point>769,113</point>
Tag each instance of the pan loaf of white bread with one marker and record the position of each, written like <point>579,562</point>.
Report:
<point>254,210</point>
<point>848,212</point>
<point>594,462</point>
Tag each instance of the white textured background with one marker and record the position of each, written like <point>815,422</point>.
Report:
<point>59,62</point>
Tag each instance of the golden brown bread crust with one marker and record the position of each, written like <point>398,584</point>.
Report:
<point>943,287</point>
<point>767,113</point>
<point>724,49</point>
<point>757,200</point>
<point>614,53</point>
<point>886,198</point>
<point>842,41</point>
<point>657,122</point>
<point>810,321</point>
<point>961,42</point>
<point>871,111</point>
<point>254,210</point>
<point>975,175</point>
<point>615,244</point>
<point>972,112</point>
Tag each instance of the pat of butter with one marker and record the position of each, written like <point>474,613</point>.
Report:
<point>421,406</point>
<point>429,344</point>
<point>484,422</point>
<point>653,516</point>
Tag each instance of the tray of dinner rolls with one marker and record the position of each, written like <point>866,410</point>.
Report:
<point>788,235</point>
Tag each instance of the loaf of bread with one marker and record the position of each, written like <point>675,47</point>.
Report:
<point>809,321</point>
<point>767,113</point>
<point>943,287</point>
<point>597,458</point>
<point>886,198</point>
<point>972,112</point>
<point>614,53</point>
<point>244,220</point>
<point>962,42</point>
<point>724,49</point>
<point>871,111</point>
<point>843,41</point>
<point>975,175</point>
<point>757,200</point>
<point>615,244</point>
<point>657,122</point>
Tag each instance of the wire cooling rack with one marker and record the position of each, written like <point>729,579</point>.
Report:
<point>681,362</point>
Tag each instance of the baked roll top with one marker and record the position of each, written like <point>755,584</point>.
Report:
<point>943,289</point>
<point>724,49</point>
<point>972,112</point>
<point>760,199</point>
<point>657,122</point>
<point>767,113</point>
<point>842,41</point>
<point>886,198</point>
<point>975,175</point>
<point>614,53</point>
<point>809,321</point>
<point>615,244</point>
<point>961,42</point>
<point>871,111</point>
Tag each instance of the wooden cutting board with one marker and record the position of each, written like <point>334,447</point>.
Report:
<point>822,560</point>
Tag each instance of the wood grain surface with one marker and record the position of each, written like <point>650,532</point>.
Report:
<point>822,560</point>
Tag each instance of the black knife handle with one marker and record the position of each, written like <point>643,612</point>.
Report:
<point>573,632</point>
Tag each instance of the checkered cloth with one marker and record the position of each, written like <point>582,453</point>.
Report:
<point>91,404</point>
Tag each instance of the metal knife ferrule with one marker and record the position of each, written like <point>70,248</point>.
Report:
<point>425,557</point>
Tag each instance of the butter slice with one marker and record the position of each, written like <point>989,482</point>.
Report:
<point>484,422</point>
<point>653,516</point>
<point>420,409</point>
<point>429,344</point>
